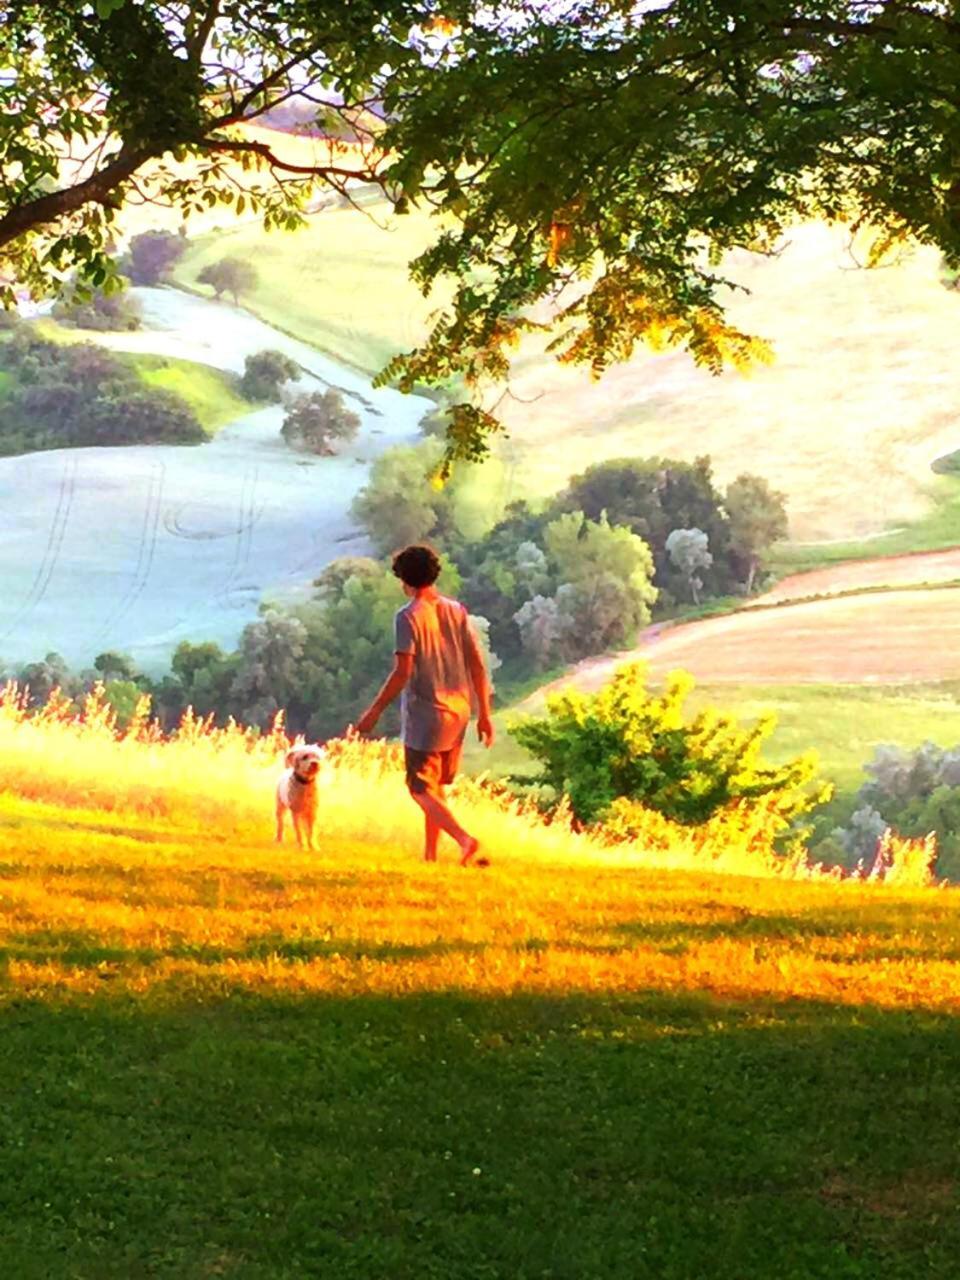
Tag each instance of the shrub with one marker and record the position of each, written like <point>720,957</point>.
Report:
<point>914,792</point>
<point>625,746</point>
<point>318,422</point>
<point>153,255</point>
<point>101,312</point>
<point>264,373</point>
<point>229,275</point>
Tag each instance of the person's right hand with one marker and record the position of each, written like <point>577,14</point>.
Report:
<point>485,730</point>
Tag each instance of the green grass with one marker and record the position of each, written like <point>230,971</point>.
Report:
<point>842,723</point>
<point>340,283</point>
<point>594,1137</point>
<point>210,393</point>
<point>939,527</point>
<point>222,1121</point>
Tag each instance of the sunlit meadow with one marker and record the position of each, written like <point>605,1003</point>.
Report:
<point>224,1057</point>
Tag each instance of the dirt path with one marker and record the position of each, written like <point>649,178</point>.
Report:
<point>890,638</point>
<point>885,571</point>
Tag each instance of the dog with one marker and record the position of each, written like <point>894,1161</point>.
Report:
<point>297,792</point>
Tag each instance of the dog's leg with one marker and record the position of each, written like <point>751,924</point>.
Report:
<point>280,809</point>
<point>297,828</point>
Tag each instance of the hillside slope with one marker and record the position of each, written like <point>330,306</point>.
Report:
<point>864,392</point>
<point>227,1058</point>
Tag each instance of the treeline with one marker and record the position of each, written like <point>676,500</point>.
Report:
<point>581,573</point>
<point>581,576</point>
<point>319,663</point>
<point>68,395</point>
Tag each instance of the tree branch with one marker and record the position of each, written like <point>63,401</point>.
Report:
<point>99,188</point>
<point>263,150</point>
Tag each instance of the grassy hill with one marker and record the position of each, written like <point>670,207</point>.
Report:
<point>210,393</point>
<point>863,394</point>
<point>224,1058</point>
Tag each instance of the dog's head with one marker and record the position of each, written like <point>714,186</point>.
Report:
<point>305,761</point>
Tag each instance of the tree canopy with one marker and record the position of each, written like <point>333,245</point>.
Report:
<point>602,155</point>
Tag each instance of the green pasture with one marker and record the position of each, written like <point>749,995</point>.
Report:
<point>842,723</point>
<point>340,283</point>
<point>210,393</point>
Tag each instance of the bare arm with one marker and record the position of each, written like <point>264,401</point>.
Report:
<point>477,670</point>
<point>394,683</point>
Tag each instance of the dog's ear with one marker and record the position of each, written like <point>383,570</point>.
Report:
<point>291,759</point>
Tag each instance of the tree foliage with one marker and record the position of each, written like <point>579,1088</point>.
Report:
<point>265,372</point>
<point>757,517</point>
<point>229,275</point>
<point>152,255</point>
<point>626,744</point>
<point>79,394</point>
<point>318,422</point>
<point>601,154</point>
<point>100,311</point>
<point>689,549</point>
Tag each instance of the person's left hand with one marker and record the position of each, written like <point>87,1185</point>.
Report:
<point>368,721</point>
<point>485,730</point>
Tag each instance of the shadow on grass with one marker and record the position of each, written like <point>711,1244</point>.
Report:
<point>623,1137</point>
<point>88,950</point>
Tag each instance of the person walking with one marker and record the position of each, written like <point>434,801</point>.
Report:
<point>438,664</point>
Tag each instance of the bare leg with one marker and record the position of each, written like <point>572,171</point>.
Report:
<point>431,835</point>
<point>437,814</point>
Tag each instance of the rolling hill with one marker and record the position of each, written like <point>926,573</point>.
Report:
<point>226,1058</point>
<point>863,395</point>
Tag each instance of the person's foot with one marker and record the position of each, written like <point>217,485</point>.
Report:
<point>468,850</point>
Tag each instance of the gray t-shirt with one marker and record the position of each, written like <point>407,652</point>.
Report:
<point>436,701</point>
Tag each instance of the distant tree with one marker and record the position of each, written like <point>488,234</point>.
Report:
<point>102,312</point>
<point>230,275</point>
<point>142,415</point>
<point>541,630</point>
<point>268,667</point>
<point>115,666</point>
<point>652,497</point>
<point>152,255</point>
<point>688,549</point>
<point>124,697</point>
<point>202,678</point>
<point>758,518</point>
<point>334,577</point>
<point>43,677</point>
<point>318,422</point>
<point>265,372</point>
<point>606,574</point>
<point>399,504</point>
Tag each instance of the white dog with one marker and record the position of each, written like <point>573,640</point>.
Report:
<point>297,791</point>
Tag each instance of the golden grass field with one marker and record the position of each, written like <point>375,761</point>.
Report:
<point>156,857</point>
<point>224,1057</point>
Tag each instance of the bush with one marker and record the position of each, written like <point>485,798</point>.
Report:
<point>153,255</point>
<point>229,275</point>
<point>318,422</point>
<point>914,792</point>
<point>264,373</point>
<point>77,395</point>
<point>101,312</point>
<point>625,746</point>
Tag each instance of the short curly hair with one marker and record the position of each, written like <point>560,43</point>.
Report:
<point>417,566</point>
